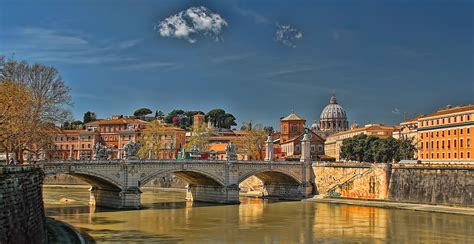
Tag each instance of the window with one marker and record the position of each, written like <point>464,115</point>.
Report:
<point>313,148</point>
<point>82,146</point>
<point>460,119</point>
<point>442,133</point>
<point>61,147</point>
<point>468,131</point>
<point>460,131</point>
<point>461,155</point>
<point>449,144</point>
<point>455,155</point>
<point>460,143</point>
<point>89,146</point>
<point>442,155</point>
<point>442,144</point>
<point>437,144</point>
<point>449,132</point>
<point>432,155</point>
<point>293,129</point>
<point>437,155</point>
<point>432,144</point>
<point>431,134</point>
<point>449,155</point>
<point>454,119</point>
<point>468,155</point>
<point>67,147</point>
<point>468,142</point>
<point>454,131</point>
<point>455,144</point>
<point>437,133</point>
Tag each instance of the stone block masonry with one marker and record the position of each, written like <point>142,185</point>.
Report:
<point>22,218</point>
<point>448,184</point>
<point>433,184</point>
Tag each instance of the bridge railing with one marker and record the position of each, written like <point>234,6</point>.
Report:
<point>193,161</point>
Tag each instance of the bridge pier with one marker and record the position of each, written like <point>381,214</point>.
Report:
<point>214,193</point>
<point>287,191</point>
<point>115,198</point>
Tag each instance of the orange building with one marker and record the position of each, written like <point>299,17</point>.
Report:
<point>290,127</point>
<point>446,135</point>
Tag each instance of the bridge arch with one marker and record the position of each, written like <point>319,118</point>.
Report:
<point>92,178</point>
<point>274,176</point>
<point>190,176</point>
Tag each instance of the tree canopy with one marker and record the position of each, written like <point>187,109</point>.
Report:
<point>372,149</point>
<point>142,112</point>
<point>221,119</point>
<point>89,117</point>
<point>47,98</point>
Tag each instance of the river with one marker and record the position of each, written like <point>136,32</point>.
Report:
<point>167,217</point>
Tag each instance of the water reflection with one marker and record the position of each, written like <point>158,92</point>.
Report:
<point>168,217</point>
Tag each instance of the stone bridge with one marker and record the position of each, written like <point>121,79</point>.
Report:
<point>116,184</point>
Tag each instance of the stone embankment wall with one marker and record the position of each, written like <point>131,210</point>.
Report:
<point>435,184</point>
<point>417,183</point>
<point>351,180</point>
<point>22,218</point>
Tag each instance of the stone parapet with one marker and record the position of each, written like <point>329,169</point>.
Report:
<point>22,218</point>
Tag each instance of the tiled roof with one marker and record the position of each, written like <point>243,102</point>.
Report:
<point>116,121</point>
<point>369,128</point>
<point>291,117</point>
<point>450,111</point>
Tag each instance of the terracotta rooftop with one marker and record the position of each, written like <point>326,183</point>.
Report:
<point>116,121</point>
<point>368,128</point>
<point>450,111</point>
<point>291,117</point>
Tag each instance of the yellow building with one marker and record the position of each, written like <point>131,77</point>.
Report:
<point>332,146</point>
<point>446,135</point>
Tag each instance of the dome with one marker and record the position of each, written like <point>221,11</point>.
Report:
<point>333,111</point>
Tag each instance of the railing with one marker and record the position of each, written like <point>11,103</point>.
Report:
<point>121,161</point>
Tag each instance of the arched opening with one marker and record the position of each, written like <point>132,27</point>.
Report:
<point>102,191</point>
<point>274,184</point>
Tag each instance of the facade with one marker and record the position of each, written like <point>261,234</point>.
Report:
<point>332,146</point>
<point>332,120</point>
<point>114,134</point>
<point>446,135</point>
<point>291,126</point>
<point>291,149</point>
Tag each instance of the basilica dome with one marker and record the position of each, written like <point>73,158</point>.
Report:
<point>333,111</point>
<point>333,119</point>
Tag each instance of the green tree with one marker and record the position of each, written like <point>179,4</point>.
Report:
<point>169,117</point>
<point>142,112</point>
<point>406,150</point>
<point>89,117</point>
<point>221,119</point>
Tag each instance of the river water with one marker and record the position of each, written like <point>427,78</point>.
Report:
<point>168,218</point>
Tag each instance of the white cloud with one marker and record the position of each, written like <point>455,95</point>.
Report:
<point>191,22</point>
<point>396,111</point>
<point>147,65</point>
<point>288,35</point>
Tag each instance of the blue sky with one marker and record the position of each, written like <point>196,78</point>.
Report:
<point>380,58</point>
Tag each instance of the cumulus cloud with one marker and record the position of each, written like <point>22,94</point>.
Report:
<point>288,35</point>
<point>190,23</point>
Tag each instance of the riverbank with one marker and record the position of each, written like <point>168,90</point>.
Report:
<point>397,205</point>
<point>60,232</point>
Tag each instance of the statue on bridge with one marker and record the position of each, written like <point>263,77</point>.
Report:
<point>231,151</point>
<point>101,152</point>
<point>131,150</point>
